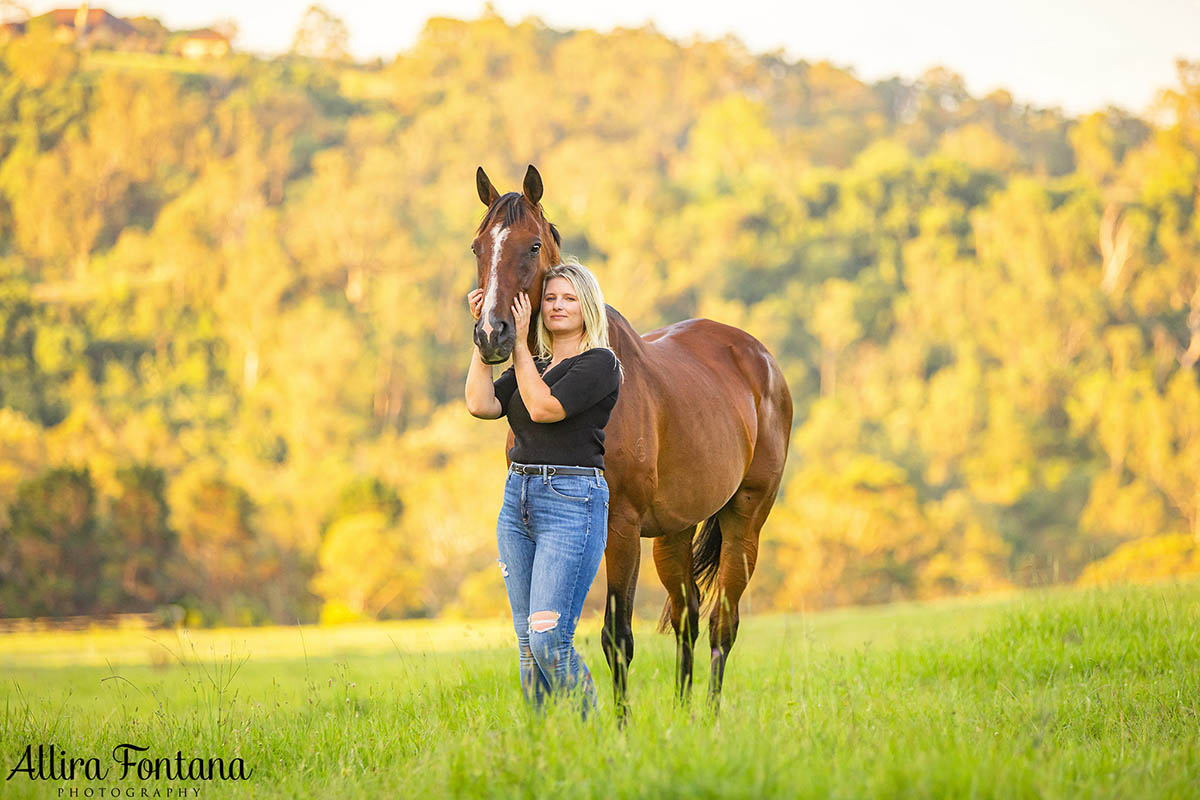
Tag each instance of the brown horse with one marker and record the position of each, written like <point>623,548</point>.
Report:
<point>699,435</point>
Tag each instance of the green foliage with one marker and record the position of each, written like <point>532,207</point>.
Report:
<point>366,567</point>
<point>56,558</point>
<point>248,274</point>
<point>368,494</point>
<point>233,571</point>
<point>146,548</point>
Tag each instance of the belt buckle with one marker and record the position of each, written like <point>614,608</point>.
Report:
<point>550,471</point>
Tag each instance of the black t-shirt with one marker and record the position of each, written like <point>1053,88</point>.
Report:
<point>586,385</point>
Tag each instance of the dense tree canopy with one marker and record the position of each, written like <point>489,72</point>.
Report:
<point>235,336</point>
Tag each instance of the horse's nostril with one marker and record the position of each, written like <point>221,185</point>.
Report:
<point>500,326</point>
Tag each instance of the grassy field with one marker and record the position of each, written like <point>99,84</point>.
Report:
<point>1061,693</point>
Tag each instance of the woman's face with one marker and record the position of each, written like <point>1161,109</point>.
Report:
<point>560,308</point>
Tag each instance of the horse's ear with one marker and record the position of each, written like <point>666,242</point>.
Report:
<point>487,192</point>
<point>533,185</point>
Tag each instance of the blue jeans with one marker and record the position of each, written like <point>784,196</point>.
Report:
<point>551,536</point>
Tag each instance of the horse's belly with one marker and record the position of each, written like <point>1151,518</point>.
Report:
<point>695,479</point>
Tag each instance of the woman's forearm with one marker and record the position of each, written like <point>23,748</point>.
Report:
<point>480,394</point>
<point>542,406</point>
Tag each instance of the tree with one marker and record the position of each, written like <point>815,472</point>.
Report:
<point>55,558</point>
<point>321,35</point>
<point>365,564</point>
<point>231,565</point>
<point>147,555</point>
<point>988,313</point>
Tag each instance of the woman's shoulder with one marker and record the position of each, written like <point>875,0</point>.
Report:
<point>601,353</point>
<point>599,357</point>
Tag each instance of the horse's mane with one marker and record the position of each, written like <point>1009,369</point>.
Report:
<point>514,208</point>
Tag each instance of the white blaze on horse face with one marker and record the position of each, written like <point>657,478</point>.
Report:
<point>489,302</point>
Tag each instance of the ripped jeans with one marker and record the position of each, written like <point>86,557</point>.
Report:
<point>551,536</point>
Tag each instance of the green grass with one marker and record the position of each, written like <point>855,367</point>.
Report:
<point>1061,693</point>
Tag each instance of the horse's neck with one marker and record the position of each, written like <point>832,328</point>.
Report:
<point>627,343</point>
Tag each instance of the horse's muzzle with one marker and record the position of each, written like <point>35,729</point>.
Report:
<point>497,345</point>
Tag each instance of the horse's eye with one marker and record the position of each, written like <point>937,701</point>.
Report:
<point>536,247</point>
<point>474,249</point>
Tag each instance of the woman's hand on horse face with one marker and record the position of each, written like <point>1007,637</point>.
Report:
<point>521,313</point>
<point>475,302</point>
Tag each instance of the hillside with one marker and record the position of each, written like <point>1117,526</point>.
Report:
<point>233,296</point>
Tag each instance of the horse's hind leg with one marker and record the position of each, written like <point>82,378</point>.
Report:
<point>673,559</point>
<point>622,557</point>
<point>740,519</point>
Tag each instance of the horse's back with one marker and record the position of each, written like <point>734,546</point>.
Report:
<point>727,354</point>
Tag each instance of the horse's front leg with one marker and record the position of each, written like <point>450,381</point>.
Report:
<point>622,557</point>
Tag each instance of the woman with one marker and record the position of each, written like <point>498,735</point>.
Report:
<point>554,522</point>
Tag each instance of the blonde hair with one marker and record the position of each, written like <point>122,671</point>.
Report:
<point>591,305</point>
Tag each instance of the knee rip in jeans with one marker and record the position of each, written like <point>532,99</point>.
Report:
<point>542,621</point>
<point>503,568</point>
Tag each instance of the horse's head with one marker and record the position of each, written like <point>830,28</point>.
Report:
<point>513,247</point>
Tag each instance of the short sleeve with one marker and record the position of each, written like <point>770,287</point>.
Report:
<point>504,386</point>
<point>589,379</point>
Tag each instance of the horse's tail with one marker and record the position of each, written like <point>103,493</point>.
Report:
<point>706,558</point>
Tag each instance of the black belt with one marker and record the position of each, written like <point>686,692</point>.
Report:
<point>548,469</point>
